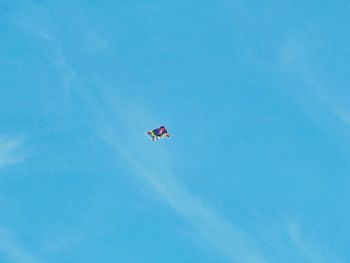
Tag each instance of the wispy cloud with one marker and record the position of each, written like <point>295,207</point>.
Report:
<point>223,236</point>
<point>13,250</point>
<point>65,241</point>
<point>9,150</point>
<point>292,52</point>
<point>310,250</point>
<point>320,101</point>
<point>294,59</point>
<point>36,20</point>
<point>60,60</point>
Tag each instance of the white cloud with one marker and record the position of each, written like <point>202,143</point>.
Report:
<point>9,150</point>
<point>292,52</point>
<point>65,241</point>
<point>317,93</point>
<point>13,250</point>
<point>310,250</point>
<point>223,236</point>
<point>60,61</point>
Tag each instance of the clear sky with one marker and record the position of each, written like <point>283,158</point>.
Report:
<point>255,96</point>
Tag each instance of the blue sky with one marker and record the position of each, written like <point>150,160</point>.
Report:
<point>255,97</point>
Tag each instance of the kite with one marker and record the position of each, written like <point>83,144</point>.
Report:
<point>158,133</point>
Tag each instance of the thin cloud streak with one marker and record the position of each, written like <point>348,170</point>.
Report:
<point>308,250</point>
<point>9,150</point>
<point>60,61</point>
<point>294,58</point>
<point>14,251</point>
<point>218,232</point>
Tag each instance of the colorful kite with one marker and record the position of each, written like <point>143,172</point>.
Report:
<point>159,133</point>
